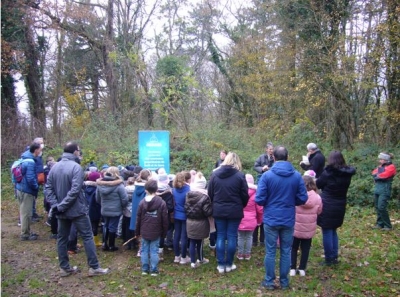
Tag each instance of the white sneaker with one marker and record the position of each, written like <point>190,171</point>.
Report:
<point>98,271</point>
<point>204,261</point>
<point>292,272</point>
<point>139,254</point>
<point>177,259</point>
<point>221,269</point>
<point>184,261</point>
<point>302,272</point>
<point>195,265</point>
<point>69,271</point>
<point>230,268</point>
<point>160,250</point>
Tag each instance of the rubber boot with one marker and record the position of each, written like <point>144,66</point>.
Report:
<point>105,240</point>
<point>97,240</point>
<point>111,242</point>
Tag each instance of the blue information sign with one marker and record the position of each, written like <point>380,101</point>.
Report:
<point>154,149</point>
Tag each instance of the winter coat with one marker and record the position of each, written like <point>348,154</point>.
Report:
<point>334,184</point>
<point>94,206</point>
<point>228,192</point>
<point>64,188</point>
<point>129,192</point>
<point>317,163</point>
<point>29,183</point>
<point>166,194</point>
<point>180,198</point>
<point>279,191</point>
<point>383,177</point>
<point>198,208</point>
<point>152,219</point>
<point>263,160</point>
<point>306,216</point>
<point>137,196</point>
<point>111,194</point>
<point>253,213</point>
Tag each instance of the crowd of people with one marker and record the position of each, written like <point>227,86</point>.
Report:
<point>155,210</point>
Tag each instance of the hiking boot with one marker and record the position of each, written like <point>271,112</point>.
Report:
<point>68,271</point>
<point>230,268</point>
<point>29,238</point>
<point>98,271</point>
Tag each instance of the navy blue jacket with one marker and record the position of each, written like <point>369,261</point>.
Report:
<point>29,183</point>
<point>279,191</point>
<point>228,192</point>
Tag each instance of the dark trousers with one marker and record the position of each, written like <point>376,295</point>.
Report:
<point>255,235</point>
<point>305,245</point>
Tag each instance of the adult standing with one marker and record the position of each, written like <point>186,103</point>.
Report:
<point>334,183</point>
<point>279,191</point>
<point>265,161</point>
<point>228,191</point>
<point>112,196</point>
<point>383,177</point>
<point>316,160</point>
<point>65,194</point>
<point>27,190</point>
<point>222,155</point>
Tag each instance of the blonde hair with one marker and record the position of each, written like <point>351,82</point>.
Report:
<point>232,159</point>
<point>112,171</point>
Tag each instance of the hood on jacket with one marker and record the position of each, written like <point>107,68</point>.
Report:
<point>311,201</point>
<point>139,188</point>
<point>283,168</point>
<point>348,170</point>
<point>106,186</point>
<point>28,155</point>
<point>153,204</point>
<point>225,171</point>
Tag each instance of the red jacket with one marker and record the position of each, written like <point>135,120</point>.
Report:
<point>306,216</point>
<point>253,213</point>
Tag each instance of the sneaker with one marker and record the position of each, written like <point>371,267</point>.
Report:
<point>268,287</point>
<point>204,261</point>
<point>19,224</point>
<point>184,261</point>
<point>292,272</point>
<point>221,269</point>
<point>154,273</point>
<point>376,227</point>
<point>139,254</point>
<point>302,272</point>
<point>177,259</point>
<point>240,256</point>
<point>247,257</point>
<point>68,271</point>
<point>29,238</point>
<point>387,229</point>
<point>145,272</point>
<point>53,236</point>
<point>230,268</point>
<point>195,265</point>
<point>98,271</point>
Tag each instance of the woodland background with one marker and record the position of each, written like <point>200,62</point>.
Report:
<point>216,74</point>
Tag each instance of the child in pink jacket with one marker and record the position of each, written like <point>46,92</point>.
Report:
<point>253,214</point>
<point>305,226</point>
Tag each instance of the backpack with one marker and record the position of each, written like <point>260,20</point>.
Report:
<point>16,170</point>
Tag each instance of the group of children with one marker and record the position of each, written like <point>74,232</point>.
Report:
<point>151,210</point>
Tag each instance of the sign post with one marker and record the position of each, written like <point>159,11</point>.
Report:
<point>154,149</point>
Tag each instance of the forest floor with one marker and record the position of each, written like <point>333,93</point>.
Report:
<point>370,266</point>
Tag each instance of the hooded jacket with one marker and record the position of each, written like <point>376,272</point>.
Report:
<point>334,184</point>
<point>306,216</point>
<point>228,192</point>
<point>64,188</point>
<point>279,191</point>
<point>138,194</point>
<point>180,197</point>
<point>29,183</point>
<point>198,208</point>
<point>94,206</point>
<point>111,194</point>
<point>253,213</point>
<point>152,219</point>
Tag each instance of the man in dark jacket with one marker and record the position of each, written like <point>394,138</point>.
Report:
<point>27,190</point>
<point>65,194</point>
<point>265,161</point>
<point>316,160</point>
<point>279,191</point>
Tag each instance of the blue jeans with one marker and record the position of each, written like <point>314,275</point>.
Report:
<point>150,248</point>
<point>285,235</point>
<point>227,230</point>
<point>330,241</point>
<point>111,223</point>
<point>180,235</point>
<point>82,224</point>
